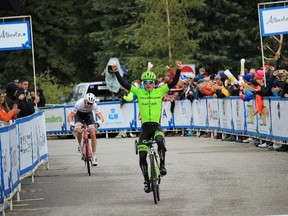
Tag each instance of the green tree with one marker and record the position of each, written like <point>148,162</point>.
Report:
<point>52,89</point>
<point>161,33</point>
<point>109,31</point>
<point>228,32</point>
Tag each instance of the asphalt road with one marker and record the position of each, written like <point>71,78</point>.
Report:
<point>205,177</point>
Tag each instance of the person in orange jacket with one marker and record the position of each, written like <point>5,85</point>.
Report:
<point>5,113</point>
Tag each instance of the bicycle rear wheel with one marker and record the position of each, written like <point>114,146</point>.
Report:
<point>153,178</point>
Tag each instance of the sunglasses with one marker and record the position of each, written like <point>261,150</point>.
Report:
<point>90,103</point>
<point>146,82</point>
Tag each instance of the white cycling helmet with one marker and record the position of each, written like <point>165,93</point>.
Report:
<point>90,98</point>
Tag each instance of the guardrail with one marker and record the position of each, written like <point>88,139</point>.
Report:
<point>228,115</point>
<point>23,147</point>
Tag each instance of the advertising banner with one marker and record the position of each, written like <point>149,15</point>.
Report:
<point>213,113</point>
<point>183,111</point>
<point>238,115</point>
<point>41,139</point>
<point>274,20</point>
<point>251,119</point>
<point>225,115</point>
<point>26,147</point>
<point>167,120</point>
<point>15,35</point>
<point>116,116</point>
<point>199,110</point>
<point>14,155</point>
<point>279,117</point>
<point>264,121</point>
<point>6,169</point>
<point>55,118</point>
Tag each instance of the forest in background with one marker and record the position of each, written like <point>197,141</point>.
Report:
<point>73,40</point>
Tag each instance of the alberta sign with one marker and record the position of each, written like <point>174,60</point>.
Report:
<point>15,35</point>
<point>274,20</point>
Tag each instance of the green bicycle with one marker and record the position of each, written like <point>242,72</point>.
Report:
<point>153,169</point>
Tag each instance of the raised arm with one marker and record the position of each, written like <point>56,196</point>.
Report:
<point>177,75</point>
<point>120,79</point>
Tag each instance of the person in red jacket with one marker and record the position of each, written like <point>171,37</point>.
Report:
<point>5,113</point>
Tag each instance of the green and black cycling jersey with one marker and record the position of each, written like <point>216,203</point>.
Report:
<point>150,103</point>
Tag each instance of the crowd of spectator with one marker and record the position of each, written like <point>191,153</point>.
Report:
<point>272,82</point>
<point>253,84</point>
<point>17,101</point>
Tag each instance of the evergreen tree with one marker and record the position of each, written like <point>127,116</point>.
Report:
<point>161,33</point>
<point>228,32</point>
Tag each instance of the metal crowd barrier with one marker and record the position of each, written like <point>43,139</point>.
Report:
<point>229,115</point>
<point>23,147</point>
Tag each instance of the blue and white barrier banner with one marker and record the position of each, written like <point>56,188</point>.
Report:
<point>264,121</point>
<point>279,116</point>
<point>23,146</point>
<point>6,160</point>
<point>237,107</point>
<point>10,159</point>
<point>1,179</point>
<point>116,116</point>
<point>26,146</point>
<point>41,138</point>
<point>199,113</point>
<point>230,115</point>
<point>183,114</point>
<point>213,113</point>
<point>14,155</point>
<point>225,111</point>
<point>55,118</point>
<point>251,119</point>
<point>67,111</point>
<point>167,120</point>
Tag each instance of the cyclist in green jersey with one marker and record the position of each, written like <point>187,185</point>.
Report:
<point>150,106</point>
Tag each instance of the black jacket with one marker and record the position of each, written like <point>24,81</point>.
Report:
<point>26,105</point>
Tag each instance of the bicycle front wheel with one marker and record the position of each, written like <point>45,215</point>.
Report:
<point>88,158</point>
<point>153,178</point>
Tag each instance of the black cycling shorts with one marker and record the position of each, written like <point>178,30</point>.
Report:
<point>86,118</point>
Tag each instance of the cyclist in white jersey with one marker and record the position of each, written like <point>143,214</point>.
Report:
<point>82,113</point>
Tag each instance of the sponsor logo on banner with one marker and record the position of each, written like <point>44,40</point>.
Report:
<point>53,119</point>
<point>113,115</point>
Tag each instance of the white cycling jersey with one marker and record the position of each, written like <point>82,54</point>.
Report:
<point>79,106</point>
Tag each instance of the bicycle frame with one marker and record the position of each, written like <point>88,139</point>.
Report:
<point>153,173</point>
<point>153,169</point>
<point>152,154</point>
<point>86,148</point>
<point>86,144</point>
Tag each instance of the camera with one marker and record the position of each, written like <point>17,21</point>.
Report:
<point>109,69</point>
